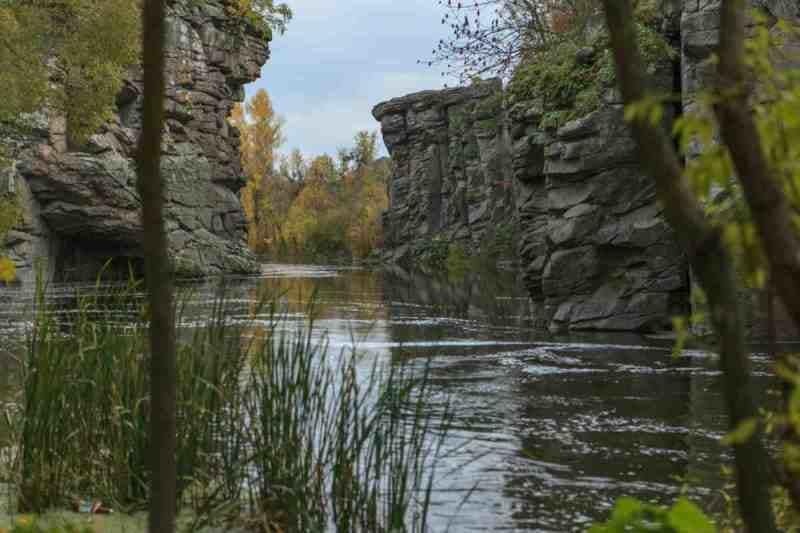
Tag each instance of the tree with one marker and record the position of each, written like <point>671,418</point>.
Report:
<point>265,14</point>
<point>158,276</point>
<point>703,241</point>
<point>322,168</point>
<point>261,135</point>
<point>297,166</point>
<point>491,37</point>
<point>83,47</point>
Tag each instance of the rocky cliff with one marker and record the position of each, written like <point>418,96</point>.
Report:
<point>82,207</point>
<point>451,178</point>
<point>595,250</point>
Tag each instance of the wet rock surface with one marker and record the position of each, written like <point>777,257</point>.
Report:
<point>82,206</point>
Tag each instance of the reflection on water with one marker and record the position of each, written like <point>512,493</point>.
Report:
<point>550,430</point>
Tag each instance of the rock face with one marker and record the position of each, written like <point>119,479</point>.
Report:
<point>595,249</point>
<point>82,207</point>
<point>700,37</point>
<point>451,178</point>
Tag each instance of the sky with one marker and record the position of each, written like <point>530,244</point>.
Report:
<point>339,58</point>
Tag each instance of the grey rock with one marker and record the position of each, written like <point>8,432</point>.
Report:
<point>83,207</point>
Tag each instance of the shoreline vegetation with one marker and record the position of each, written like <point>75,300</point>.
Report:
<point>276,433</point>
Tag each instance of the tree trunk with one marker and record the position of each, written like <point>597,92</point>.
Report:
<point>710,260</point>
<point>158,275</point>
<point>764,194</point>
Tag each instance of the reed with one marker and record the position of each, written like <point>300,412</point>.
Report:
<point>275,430</point>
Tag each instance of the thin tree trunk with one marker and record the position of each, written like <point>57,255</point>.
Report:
<point>762,189</point>
<point>764,194</point>
<point>158,275</point>
<point>711,262</point>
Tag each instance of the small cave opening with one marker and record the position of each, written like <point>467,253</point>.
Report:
<point>87,261</point>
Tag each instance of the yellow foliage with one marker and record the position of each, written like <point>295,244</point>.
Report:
<point>8,270</point>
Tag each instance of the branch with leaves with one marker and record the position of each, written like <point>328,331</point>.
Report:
<point>710,260</point>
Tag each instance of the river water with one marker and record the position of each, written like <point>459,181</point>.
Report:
<point>549,430</point>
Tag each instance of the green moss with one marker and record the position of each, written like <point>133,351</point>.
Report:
<point>487,125</point>
<point>571,81</point>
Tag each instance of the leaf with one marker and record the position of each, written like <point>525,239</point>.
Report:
<point>741,433</point>
<point>686,517</point>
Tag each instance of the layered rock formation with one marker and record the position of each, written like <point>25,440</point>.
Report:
<point>595,250</point>
<point>451,177</point>
<point>700,37</point>
<point>82,207</point>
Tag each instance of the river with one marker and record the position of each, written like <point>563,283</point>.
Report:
<point>550,430</point>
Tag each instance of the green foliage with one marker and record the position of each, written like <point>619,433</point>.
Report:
<point>83,46</point>
<point>264,15</point>
<point>570,74</point>
<point>709,168</point>
<point>776,107</point>
<point>633,516</point>
<point>433,254</point>
<point>458,261</point>
<point>10,213</point>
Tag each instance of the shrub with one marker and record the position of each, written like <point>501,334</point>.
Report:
<point>570,75</point>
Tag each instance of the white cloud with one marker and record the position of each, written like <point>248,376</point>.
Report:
<point>338,59</point>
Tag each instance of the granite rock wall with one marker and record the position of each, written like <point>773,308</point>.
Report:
<point>82,206</point>
<point>451,175</point>
<point>594,247</point>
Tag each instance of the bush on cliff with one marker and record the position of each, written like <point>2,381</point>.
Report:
<point>570,74</point>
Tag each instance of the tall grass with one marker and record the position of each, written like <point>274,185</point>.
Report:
<point>275,431</point>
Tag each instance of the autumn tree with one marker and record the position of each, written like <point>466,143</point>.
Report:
<point>365,149</point>
<point>322,168</point>
<point>261,135</point>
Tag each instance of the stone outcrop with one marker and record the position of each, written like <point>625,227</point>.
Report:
<point>451,177</point>
<point>594,248</point>
<point>82,206</point>
<point>700,37</point>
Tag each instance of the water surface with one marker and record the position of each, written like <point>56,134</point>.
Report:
<point>549,430</point>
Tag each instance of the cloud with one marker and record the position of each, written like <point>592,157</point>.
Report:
<point>339,59</point>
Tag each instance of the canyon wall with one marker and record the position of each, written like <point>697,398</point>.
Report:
<point>81,206</point>
<point>594,248</point>
<point>451,178</point>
